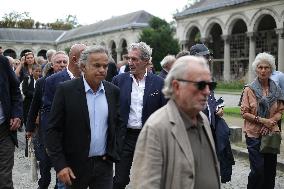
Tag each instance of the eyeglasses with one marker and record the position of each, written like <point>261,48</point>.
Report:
<point>201,84</point>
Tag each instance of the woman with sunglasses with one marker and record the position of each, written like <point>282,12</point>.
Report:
<point>262,106</point>
<point>25,68</point>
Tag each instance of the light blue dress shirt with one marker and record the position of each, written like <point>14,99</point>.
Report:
<point>98,114</point>
<point>2,117</point>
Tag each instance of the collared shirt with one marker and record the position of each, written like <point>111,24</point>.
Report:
<point>70,74</point>
<point>2,117</point>
<point>136,106</point>
<point>202,152</point>
<point>98,114</point>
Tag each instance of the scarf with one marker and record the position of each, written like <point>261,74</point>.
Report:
<point>265,102</point>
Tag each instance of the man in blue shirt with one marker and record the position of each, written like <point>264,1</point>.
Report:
<point>83,132</point>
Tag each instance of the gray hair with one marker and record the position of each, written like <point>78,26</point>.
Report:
<point>181,67</point>
<point>145,50</point>
<point>264,57</point>
<point>49,54</point>
<point>168,59</point>
<point>92,49</point>
<point>59,52</point>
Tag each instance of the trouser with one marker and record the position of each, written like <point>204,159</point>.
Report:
<point>100,177</point>
<point>7,149</point>
<point>263,166</point>
<point>44,162</point>
<point>122,169</point>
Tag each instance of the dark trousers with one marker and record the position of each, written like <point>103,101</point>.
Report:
<point>101,176</point>
<point>122,169</point>
<point>7,149</point>
<point>44,163</point>
<point>263,166</point>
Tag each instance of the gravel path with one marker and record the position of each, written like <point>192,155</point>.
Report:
<point>22,177</point>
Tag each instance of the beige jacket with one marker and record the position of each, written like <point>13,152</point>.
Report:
<point>163,156</point>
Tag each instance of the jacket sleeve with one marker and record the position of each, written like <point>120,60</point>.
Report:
<point>54,131</point>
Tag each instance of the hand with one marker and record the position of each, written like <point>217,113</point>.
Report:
<point>220,112</point>
<point>264,131</point>
<point>15,123</point>
<point>269,123</point>
<point>29,134</point>
<point>65,174</point>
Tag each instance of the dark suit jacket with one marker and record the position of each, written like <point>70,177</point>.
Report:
<point>10,95</point>
<point>153,98</point>
<point>28,91</point>
<point>111,71</point>
<point>36,105</point>
<point>50,86</point>
<point>163,74</point>
<point>68,133</point>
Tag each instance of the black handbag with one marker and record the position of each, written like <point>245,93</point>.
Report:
<point>270,143</point>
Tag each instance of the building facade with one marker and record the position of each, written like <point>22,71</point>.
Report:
<point>115,33</point>
<point>235,31</point>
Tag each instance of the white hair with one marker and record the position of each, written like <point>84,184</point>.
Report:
<point>264,57</point>
<point>167,59</point>
<point>180,68</point>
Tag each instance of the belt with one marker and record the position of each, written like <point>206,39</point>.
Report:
<point>136,131</point>
<point>104,157</point>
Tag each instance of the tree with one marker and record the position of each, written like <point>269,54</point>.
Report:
<point>160,37</point>
<point>17,20</point>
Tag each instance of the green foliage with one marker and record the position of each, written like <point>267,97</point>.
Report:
<point>160,37</point>
<point>230,85</point>
<point>67,50</point>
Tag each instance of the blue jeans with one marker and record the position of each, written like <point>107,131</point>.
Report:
<point>262,166</point>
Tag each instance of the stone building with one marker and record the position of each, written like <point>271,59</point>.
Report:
<point>115,33</point>
<point>235,31</point>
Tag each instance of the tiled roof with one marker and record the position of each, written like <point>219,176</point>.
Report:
<point>29,35</point>
<point>207,5</point>
<point>137,19</point>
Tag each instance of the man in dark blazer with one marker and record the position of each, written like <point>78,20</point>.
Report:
<point>11,111</point>
<point>56,65</point>
<point>83,133</point>
<point>140,96</point>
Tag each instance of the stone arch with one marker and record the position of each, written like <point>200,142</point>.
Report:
<point>257,17</point>
<point>208,26</point>
<point>193,36</point>
<point>10,52</point>
<point>123,45</point>
<point>24,51</point>
<point>42,52</point>
<point>103,44</point>
<point>232,21</point>
<point>188,29</point>
<point>112,47</point>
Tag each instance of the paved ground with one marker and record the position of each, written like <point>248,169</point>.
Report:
<point>22,177</point>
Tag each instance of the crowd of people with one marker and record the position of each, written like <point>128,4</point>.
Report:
<point>106,125</point>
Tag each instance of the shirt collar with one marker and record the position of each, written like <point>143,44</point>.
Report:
<point>70,73</point>
<point>145,75</point>
<point>101,88</point>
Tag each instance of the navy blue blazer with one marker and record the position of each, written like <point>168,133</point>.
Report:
<point>50,86</point>
<point>153,98</point>
<point>10,94</point>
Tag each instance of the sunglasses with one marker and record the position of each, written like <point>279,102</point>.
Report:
<point>201,85</point>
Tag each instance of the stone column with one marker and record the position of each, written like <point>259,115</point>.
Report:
<point>183,44</point>
<point>118,54</point>
<point>280,33</point>
<point>227,58</point>
<point>252,45</point>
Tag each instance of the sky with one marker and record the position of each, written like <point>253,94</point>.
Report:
<point>90,11</point>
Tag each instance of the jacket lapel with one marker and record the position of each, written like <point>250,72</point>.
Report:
<point>147,90</point>
<point>82,101</point>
